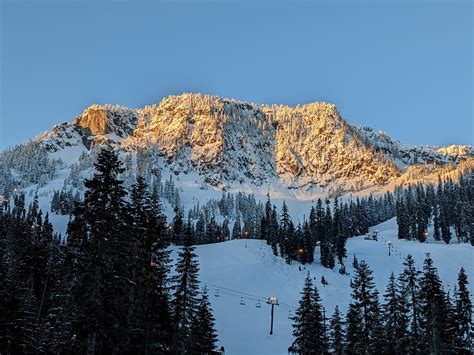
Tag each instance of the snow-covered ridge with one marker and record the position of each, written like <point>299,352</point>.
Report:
<point>404,154</point>
<point>226,141</point>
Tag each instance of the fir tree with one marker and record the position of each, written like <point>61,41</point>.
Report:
<point>434,310</point>
<point>204,336</point>
<point>409,283</point>
<point>104,255</point>
<point>152,310</point>
<point>302,319</point>
<point>237,229</point>
<point>364,307</point>
<point>178,227</point>
<point>325,227</point>
<point>464,332</point>
<point>336,333</point>
<point>339,239</point>
<point>353,343</point>
<point>309,330</point>
<point>185,302</point>
<point>395,313</point>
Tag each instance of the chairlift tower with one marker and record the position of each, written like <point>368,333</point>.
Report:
<point>272,301</point>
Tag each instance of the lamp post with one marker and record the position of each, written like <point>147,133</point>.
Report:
<point>389,247</point>
<point>273,301</point>
<point>246,235</point>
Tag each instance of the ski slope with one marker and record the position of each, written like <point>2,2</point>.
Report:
<point>248,269</point>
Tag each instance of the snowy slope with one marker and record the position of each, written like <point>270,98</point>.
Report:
<point>238,271</point>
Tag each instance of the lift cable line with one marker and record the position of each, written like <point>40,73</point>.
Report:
<point>220,290</point>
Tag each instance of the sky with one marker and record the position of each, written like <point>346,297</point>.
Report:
<point>403,67</point>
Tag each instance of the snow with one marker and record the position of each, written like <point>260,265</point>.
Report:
<point>243,141</point>
<point>237,270</point>
<point>307,150</point>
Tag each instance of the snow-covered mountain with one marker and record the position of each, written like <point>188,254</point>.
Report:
<point>228,142</point>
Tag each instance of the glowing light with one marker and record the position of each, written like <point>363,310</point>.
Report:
<point>272,300</point>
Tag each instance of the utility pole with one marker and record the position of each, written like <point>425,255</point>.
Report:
<point>273,301</point>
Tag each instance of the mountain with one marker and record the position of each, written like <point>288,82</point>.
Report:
<point>228,142</point>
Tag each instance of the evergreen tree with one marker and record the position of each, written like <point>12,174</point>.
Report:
<point>200,233</point>
<point>354,332</point>
<point>273,229</point>
<point>309,330</point>
<point>178,227</point>
<point>336,334</point>
<point>434,310</point>
<point>152,310</point>
<point>286,235</point>
<point>402,219</point>
<point>395,313</point>
<point>225,230</point>
<point>464,332</point>
<point>339,239</point>
<point>366,309</point>
<point>237,229</point>
<point>100,295</point>
<point>204,336</point>
<point>302,319</point>
<point>409,284</point>
<point>325,228</point>
<point>307,244</point>
<point>185,302</point>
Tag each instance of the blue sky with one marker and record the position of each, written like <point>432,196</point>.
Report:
<point>402,67</point>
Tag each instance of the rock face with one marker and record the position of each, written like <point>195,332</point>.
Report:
<point>95,120</point>
<point>100,120</point>
<point>232,141</point>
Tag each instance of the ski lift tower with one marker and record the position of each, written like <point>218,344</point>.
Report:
<point>389,247</point>
<point>273,301</point>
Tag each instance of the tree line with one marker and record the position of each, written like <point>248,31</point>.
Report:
<point>108,289</point>
<point>328,226</point>
<point>417,316</point>
<point>448,206</point>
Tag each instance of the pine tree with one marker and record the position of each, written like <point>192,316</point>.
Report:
<point>309,330</point>
<point>237,229</point>
<point>178,227</point>
<point>409,284</point>
<point>273,229</point>
<point>339,239</point>
<point>203,334</point>
<point>402,219</point>
<point>152,310</point>
<point>464,331</point>
<point>325,228</point>
<point>395,313</point>
<point>336,334</point>
<point>307,244</point>
<point>200,233</point>
<point>225,230</point>
<point>354,332</point>
<point>434,310</point>
<point>185,302</point>
<point>319,339</point>
<point>302,319</point>
<point>365,308</point>
<point>100,295</point>
<point>286,234</point>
